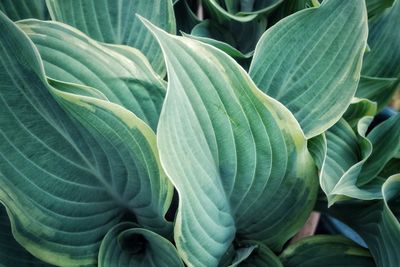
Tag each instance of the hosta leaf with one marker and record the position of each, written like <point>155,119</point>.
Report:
<point>311,62</point>
<point>215,35</point>
<point>25,9</point>
<point>287,8</point>
<point>329,251</point>
<point>11,253</point>
<point>114,21</point>
<point>230,150</point>
<point>127,245</point>
<point>381,61</point>
<point>353,161</point>
<point>185,18</point>
<point>391,168</point>
<point>385,139</point>
<point>379,90</point>
<point>121,73</point>
<point>377,222</point>
<point>359,108</point>
<point>376,7</point>
<point>243,11</point>
<point>261,256</point>
<point>66,181</point>
<point>346,153</point>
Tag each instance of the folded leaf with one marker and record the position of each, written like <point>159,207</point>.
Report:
<point>381,61</point>
<point>241,12</point>
<point>359,108</point>
<point>385,139</point>
<point>311,62</point>
<point>377,7</point>
<point>329,251</point>
<point>127,245</point>
<point>121,73</point>
<point>66,181</point>
<point>11,253</point>
<point>380,90</point>
<point>114,21</point>
<point>377,222</point>
<point>346,155</point>
<point>25,9</point>
<point>261,256</point>
<point>230,151</point>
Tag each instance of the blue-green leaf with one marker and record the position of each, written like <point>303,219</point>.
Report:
<point>121,73</point>
<point>311,62</point>
<point>72,164</point>
<point>114,21</point>
<point>127,245</point>
<point>230,150</point>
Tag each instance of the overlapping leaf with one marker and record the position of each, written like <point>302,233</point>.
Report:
<point>353,161</point>
<point>378,89</point>
<point>359,108</point>
<point>377,222</point>
<point>114,21</point>
<point>127,245</point>
<point>377,7</point>
<point>230,151</point>
<point>311,62</point>
<point>241,10</point>
<point>380,61</point>
<point>66,181</point>
<point>11,253</point>
<point>24,9</point>
<point>329,251</point>
<point>121,73</point>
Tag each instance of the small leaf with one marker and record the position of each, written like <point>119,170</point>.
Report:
<point>329,251</point>
<point>385,139</point>
<point>380,61</point>
<point>114,21</point>
<point>379,90</point>
<point>311,62</point>
<point>359,108</point>
<point>11,253</point>
<point>25,9</point>
<point>127,245</point>
<point>377,222</point>
<point>377,7</point>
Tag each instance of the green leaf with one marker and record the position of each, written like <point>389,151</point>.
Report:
<point>377,222</point>
<point>229,150</point>
<point>246,12</point>
<point>311,62</point>
<point>24,9</point>
<point>185,18</point>
<point>127,245</point>
<point>359,108</point>
<point>287,8</point>
<point>377,7</point>
<point>381,61</point>
<point>346,155</point>
<point>11,253</point>
<point>66,181</point>
<point>329,251</point>
<point>114,21</point>
<point>391,168</point>
<point>385,139</point>
<point>121,73</point>
<point>215,35</point>
<point>379,90</point>
<point>261,256</point>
